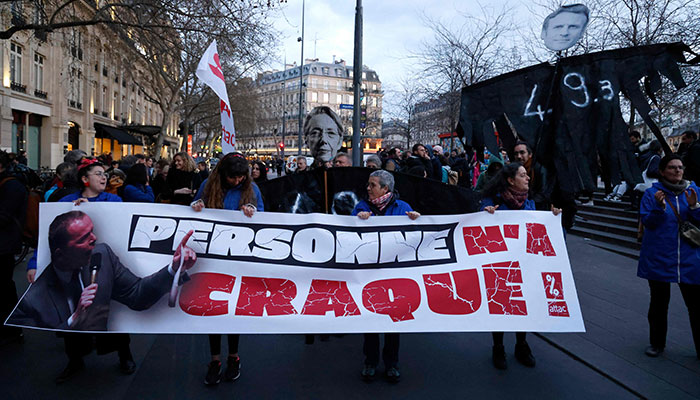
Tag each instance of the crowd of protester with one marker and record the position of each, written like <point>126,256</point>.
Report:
<point>511,179</point>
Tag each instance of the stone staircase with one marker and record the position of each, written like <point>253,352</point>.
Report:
<point>610,225</point>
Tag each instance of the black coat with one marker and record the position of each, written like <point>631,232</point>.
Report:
<point>13,211</point>
<point>178,179</point>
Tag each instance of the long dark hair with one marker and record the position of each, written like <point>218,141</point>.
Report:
<point>232,165</point>
<point>263,170</point>
<point>136,175</point>
<point>500,183</point>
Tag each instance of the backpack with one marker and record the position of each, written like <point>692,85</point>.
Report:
<point>30,228</point>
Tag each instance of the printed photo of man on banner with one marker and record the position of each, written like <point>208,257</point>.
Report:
<point>75,290</point>
<point>290,273</point>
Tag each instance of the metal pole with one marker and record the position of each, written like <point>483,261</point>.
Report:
<point>284,132</point>
<point>357,83</point>
<point>301,79</point>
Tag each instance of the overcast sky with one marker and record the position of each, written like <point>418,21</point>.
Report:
<point>393,29</point>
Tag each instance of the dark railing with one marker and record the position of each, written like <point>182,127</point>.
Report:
<point>71,103</point>
<point>105,114</point>
<point>79,106</point>
<point>40,94</point>
<point>18,87</point>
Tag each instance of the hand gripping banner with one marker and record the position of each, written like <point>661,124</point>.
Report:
<point>210,72</point>
<point>290,273</point>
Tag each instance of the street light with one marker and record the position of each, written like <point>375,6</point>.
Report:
<point>284,132</point>
<point>301,75</point>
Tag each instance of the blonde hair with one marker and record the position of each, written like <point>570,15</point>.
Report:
<point>188,162</point>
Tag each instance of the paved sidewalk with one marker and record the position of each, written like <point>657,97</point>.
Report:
<point>607,361</point>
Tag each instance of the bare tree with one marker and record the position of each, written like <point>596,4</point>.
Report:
<point>402,102</point>
<point>167,38</point>
<point>461,53</point>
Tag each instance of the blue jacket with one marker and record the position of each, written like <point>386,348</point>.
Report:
<point>488,201</point>
<point>396,207</point>
<point>138,194</point>
<point>233,196</point>
<point>104,196</point>
<point>665,256</point>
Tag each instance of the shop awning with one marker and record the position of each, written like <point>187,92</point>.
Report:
<point>148,130</point>
<point>114,133</point>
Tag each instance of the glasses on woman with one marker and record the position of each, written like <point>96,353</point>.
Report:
<point>98,174</point>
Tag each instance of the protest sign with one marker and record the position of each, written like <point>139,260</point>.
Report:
<point>314,273</point>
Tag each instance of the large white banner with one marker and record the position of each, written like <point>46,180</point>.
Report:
<point>291,273</point>
<point>210,72</point>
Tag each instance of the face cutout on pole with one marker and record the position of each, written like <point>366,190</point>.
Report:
<point>324,134</point>
<point>564,27</point>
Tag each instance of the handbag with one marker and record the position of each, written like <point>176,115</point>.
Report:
<point>642,187</point>
<point>689,232</point>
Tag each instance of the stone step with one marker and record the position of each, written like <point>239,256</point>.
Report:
<point>617,229</point>
<point>602,195</point>
<point>612,204</point>
<point>610,219</point>
<point>606,237</point>
<point>614,211</point>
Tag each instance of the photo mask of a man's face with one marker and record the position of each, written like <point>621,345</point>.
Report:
<point>562,29</point>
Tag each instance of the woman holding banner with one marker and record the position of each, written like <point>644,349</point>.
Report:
<point>382,200</point>
<point>229,187</point>
<point>667,255</point>
<point>508,190</point>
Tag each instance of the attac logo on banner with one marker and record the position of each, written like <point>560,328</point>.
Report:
<point>289,273</point>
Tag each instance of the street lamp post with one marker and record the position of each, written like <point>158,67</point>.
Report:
<point>357,83</point>
<point>284,132</point>
<point>301,77</point>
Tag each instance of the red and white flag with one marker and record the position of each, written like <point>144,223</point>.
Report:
<point>209,71</point>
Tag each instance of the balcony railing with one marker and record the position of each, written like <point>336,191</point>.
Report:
<point>105,114</point>
<point>71,103</point>
<point>40,94</point>
<point>18,87</point>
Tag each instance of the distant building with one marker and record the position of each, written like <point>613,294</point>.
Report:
<point>325,84</point>
<point>71,89</point>
<point>434,117</point>
<point>394,134</point>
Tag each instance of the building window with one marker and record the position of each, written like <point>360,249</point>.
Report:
<point>103,103</point>
<point>76,44</point>
<point>15,63</point>
<point>314,97</point>
<point>364,75</point>
<point>325,98</point>
<point>339,98</point>
<point>314,83</point>
<point>75,88</point>
<point>325,70</point>
<point>374,87</point>
<point>340,85</point>
<point>325,84</point>
<point>38,72</point>
<point>114,105</point>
